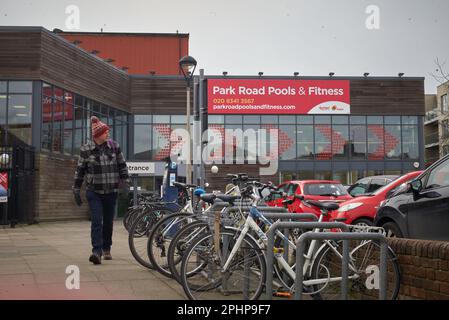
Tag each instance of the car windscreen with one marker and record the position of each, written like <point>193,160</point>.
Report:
<point>380,190</point>
<point>325,189</point>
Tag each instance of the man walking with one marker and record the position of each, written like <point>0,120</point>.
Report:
<point>102,165</point>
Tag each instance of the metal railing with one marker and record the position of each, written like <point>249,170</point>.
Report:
<point>336,236</point>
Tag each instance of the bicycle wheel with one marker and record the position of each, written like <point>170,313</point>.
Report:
<point>129,217</point>
<point>139,232</point>
<point>160,237</point>
<point>363,272</point>
<point>182,240</point>
<point>201,271</point>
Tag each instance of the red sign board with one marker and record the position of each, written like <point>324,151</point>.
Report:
<point>253,96</point>
<point>3,186</point>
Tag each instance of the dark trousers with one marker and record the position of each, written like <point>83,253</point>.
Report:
<point>102,208</point>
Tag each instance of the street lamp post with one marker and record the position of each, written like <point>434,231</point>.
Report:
<point>187,64</point>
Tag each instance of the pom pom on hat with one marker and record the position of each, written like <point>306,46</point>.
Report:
<point>98,127</point>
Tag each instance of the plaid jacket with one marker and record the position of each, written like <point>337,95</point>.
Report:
<point>101,166</point>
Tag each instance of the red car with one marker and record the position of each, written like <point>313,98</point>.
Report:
<point>319,190</point>
<point>362,209</point>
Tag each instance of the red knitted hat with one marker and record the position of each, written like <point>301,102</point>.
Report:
<point>98,127</point>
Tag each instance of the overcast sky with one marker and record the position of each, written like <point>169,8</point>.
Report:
<point>278,37</point>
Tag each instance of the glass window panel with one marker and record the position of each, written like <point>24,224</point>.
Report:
<point>250,131</point>
<point>323,146</point>
<point>305,141</point>
<point>306,175</point>
<point>216,133</point>
<point>142,142</point>
<point>233,119</point>
<point>392,120</point>
<point>375,120</point>
<point>358,141</point>
<point>104,110</point>
<point>410,146</point>
<point>111,113</point>
<point>68,124</point>
<point>96,107</point>
<point>339,119</point>
<point>340,144</point>
<point>20,86</point>
<point>79,140</point>
<point>3,86</point>
<point>357,119</point>
<point>142,118</point>
<point>287,119</point>
<point>269,119</point>
<point>79,117</point>
<point>79,100</point>
<point>47,90</point>
<point>342,176</point>
<point>287,142</point>
<point>303,119</point>
<point>215,119</point>
<point>323,175</point>
<point>161,119</point>
<point>357,174</point>
<point>19,117</point>
<point>3,99</point>
<point>161,141</point>
<point>393,142</point>
<point>409,120</point>
<point>178,119</point>
<point>57,125</point>
<point>322,119</point>
<point>288,176</point>
<point>68,97</point>
<point>251,119</point>
<point>46,122</point>
<point>376,150</point>
<point>58,93</point>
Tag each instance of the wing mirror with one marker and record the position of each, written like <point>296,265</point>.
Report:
<point>416,186</point>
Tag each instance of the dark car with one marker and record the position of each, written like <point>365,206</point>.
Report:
<point>370,184</point>
<point>420,209</point>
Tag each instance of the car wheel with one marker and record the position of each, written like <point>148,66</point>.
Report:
<point>363,222</point>
<point>392,230</point>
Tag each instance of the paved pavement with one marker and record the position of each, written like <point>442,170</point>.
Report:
<point>34,258</point>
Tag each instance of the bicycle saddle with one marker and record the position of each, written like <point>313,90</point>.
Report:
<point>208,197</point>
<point>328,206</point>
<point>183,185</point>
<point>229,199</point>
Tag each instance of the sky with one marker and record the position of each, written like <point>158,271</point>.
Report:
<point>243,37</point>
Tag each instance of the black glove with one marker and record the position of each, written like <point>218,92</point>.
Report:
<point>76,194</point>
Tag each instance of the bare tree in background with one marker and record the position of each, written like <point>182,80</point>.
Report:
<point>441,75</point>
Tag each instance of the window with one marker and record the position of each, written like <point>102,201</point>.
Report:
<point>445,129</point>
<point>376,150</point>
<point>444,104</point>
<point>305,141</point>
<point>3,99</point>
<point>340,141</point>
<point>142,118</point>
<point>393,142</point>
<point>359,188</point>
<point>215,119</point>
<point>142,142</point>
<point>19,116</point>
<point>287,145</point>
<point>410,146</point>
<point>20,86</point>
<point>439,177</point>
<point>358,141</point>
<point>323,137</point>
<point>375,184</point>
<point>324,189</point>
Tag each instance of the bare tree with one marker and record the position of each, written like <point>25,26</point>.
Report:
<point>441,75</point>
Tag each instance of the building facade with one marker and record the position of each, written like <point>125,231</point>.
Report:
<point>50,87</point>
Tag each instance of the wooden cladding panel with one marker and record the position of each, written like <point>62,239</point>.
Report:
<point>393,97</point>
<point>19,55</point>
<point>66,66</point>
<point>159,96</point>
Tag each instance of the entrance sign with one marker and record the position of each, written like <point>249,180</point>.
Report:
<point>140,168</point>
<point>254,96</point>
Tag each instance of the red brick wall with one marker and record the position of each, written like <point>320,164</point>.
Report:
<point>424,267</point>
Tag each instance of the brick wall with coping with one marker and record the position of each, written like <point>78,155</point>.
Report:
<point>424,268</point>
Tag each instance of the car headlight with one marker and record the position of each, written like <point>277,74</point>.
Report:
<point>349,206</point>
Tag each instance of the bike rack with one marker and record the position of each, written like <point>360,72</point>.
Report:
<point>291,225</point>
<point>345,236</point>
